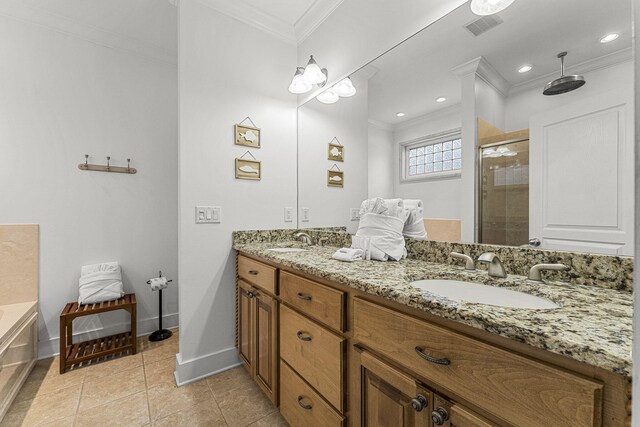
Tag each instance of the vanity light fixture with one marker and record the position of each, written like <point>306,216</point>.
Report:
<point>299,84</point>
<point>609,38</point>
<point>313,73</point>
<point>525,68</point>
<point>489,7</point>
<point>440,99</point>
<point>344,88</point>
<point>400,114</point>
<point>329,96</point>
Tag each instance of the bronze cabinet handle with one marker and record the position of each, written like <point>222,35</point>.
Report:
<point>303,337</point>
<point>253,272</point>
<point>304,297</point>
<point>439,416</point>
<point>250,294</point>
<point>419,402</point>
<point>303,405</point>
<point>425,356</point>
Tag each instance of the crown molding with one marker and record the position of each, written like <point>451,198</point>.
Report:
<point>314,17</point>
<point>453,109</point>
<point>483,69</point>
<point>605,61</point>
<point>246,14</point>
<point>16,9</point>
<point>381,125</point>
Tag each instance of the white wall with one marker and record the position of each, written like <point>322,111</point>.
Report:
<point>522,105</point>
<point>441,197</point>
<point>490,104</point>
<point>359,31</point>
<point>381,151</point>
<point>227,71</point>
<point>62,98</point>
<point>317,125</point>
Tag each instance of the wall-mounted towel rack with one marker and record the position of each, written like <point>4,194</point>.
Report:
<point>86,166</point>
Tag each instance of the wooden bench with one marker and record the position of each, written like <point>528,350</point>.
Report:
<point>73,354</point>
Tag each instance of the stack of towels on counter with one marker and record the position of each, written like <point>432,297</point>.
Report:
<point>383,224</point>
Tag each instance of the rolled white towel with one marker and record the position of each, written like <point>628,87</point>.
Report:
<point>414,224</point>
<point>100,282</point>
<point>376,205</point>
<point>348,254</point>
<point>385,233</point>
<point>395,208</point>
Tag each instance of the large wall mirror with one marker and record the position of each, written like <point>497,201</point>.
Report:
<point>456,116</point>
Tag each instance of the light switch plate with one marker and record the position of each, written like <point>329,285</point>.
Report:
<point>208,214</point>
<point>355,214</point>
<point>305,215</point>
<point>288,214</point>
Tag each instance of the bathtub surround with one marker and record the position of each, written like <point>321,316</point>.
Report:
<point>604,271</point>
<point>19,255</point>
<point>64,96</point>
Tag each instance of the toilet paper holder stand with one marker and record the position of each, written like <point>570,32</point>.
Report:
<point>160,334</point>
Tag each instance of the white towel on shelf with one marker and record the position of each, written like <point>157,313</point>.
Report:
<point>348,254</point>
<point>414,224</point>
<point>100,282</point>
<point>385,232</point>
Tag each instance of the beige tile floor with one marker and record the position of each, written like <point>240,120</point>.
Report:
<point>139,390</point>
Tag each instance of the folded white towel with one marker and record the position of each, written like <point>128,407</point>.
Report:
<point>100,282</point>
<point>414,224</point>
<point>395,208</point>
<point>348,254</point>
<point>377,206</point>
<point>158,283</point>
<point>386,237</point>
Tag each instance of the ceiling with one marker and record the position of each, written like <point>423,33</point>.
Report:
<point>411,76</point>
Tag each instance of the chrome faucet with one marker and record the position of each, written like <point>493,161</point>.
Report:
<point>321,241</point>
<point>535,274</point>
<point>496,269</point>
<point>304,238</point>
<point>468,261</point>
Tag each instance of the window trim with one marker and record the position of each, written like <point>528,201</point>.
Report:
<point>422,141</point>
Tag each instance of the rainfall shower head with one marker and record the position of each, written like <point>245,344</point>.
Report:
<point>563,84</point>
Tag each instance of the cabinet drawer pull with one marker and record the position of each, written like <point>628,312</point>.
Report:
<point>304,405</point>
<point>250,294</point>
<point>304,297</point>
<point>425,356</point>
<point>419,402</point>
<point>253,272</point>
<point>303,337</point>
<point>439,416</point>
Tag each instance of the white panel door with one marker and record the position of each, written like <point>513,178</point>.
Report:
<point>581,175</point>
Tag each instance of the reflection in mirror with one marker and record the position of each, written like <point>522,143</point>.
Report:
<point>456,117</point>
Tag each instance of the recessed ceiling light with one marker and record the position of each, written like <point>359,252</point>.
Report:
<point>609,38</point>
<point>525,68</point>
<point>489,7</point>
<point>401,114</point>
<point>441,99</point>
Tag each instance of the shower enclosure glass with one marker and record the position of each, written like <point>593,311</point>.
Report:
<point>504,193</point>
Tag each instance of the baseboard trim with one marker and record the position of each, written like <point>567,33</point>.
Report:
<point>51,347</point>
<point>204,366</point>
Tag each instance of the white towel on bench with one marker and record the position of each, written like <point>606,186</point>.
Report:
<point>100,282</point>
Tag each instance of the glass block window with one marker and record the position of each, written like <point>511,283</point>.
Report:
<point>431,158</point>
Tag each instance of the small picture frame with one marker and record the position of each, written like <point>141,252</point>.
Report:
<point>335,178</point>
<point>247,136</point>
<point>336,152</point>
<point>248,169</point>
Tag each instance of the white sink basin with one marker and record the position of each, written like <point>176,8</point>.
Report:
<point>456,290</point>
<point>287,250</point>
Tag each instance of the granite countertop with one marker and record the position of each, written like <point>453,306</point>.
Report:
<point>592,325</point>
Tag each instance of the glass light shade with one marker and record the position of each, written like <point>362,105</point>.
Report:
<point>489,7</point>
<point>345,88</point>
<point>329,96</point>
<point>312,73</point>
<point>299,84</point>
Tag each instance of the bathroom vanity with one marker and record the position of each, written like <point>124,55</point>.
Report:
<point>349,344</point>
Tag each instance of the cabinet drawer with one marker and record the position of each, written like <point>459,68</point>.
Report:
<point>314,299</point>
<point>257,273</point>
<point>301,406</point>
<point>513,387</point>
<point>314,352</point>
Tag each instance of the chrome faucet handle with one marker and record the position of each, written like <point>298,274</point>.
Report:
<point>304,238</point>
<point>496,269</point>
<point>469,265</point>
<point>535,274</point>
<point>320,241</point>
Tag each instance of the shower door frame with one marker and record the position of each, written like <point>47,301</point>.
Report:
<point>479,180</point>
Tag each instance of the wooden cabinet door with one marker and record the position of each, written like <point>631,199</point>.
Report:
<point>447,414</point>
<point>266,351</point>
<point>246,324</point>
<point>390,398</point>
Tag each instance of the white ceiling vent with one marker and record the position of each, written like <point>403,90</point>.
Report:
<point>484,24</point>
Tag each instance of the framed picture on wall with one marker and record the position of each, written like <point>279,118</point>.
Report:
<point>247,135</point>
<point>335,178</point>
<point>248,169</point>
<point>336,152</point>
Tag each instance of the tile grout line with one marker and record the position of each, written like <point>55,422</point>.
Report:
<point>75,416</point>
<point>146,385</point>
<point>216,400</point>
